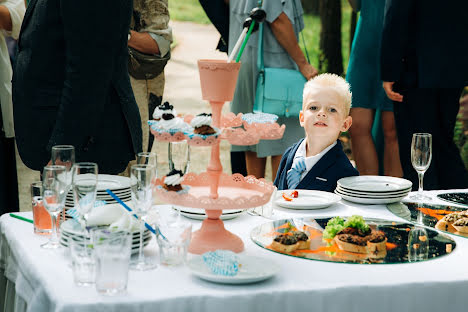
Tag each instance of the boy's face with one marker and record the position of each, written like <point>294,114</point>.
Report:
<point>323,115</point>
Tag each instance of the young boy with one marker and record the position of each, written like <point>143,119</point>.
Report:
<point>318,161</point>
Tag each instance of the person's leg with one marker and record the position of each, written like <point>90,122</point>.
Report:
<point>238,163</point>
<point>255,165</point>
<point>451,170</point>
<point>155,91</point>
<point>364,153</point>
<point>275,162</point>
<point>392,165</point>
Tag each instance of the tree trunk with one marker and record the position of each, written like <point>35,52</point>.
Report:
<point>331,59</point>
<point>311,6</point>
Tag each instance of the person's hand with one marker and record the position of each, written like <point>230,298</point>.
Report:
<point>308,71</point>
<point>392,95</point>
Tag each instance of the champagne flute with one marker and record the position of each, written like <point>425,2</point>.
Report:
<point>54,191</point>
<point>421,155</point>
<point>142,196</point>
<point>179,156</point>
<point>64,155</point>
<point>148,158</point>
<point>84,182</point>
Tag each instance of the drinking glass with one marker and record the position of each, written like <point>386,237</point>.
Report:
<point>421,155</point>
<point>41,217</point>
<point>112,252</point>
<point>418,244</point>
<point>173,238</point>
<point>84,182</point>
<point>64,155</point>
<point>142,196</point>
<point>179,156</point>
<point>83,261</point>
<point>54,191</point>
<point>148,158</point>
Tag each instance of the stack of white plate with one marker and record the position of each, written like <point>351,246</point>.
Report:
<point>119,185</point>
<point>199,214</point>
<point>373,189</point>
<point>72,229</point>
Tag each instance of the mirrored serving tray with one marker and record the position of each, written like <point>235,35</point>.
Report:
<point>460,198</point>
<point>428,214</point>
<point>397,234</point>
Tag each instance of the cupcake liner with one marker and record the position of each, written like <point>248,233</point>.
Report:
<point>222,262</point>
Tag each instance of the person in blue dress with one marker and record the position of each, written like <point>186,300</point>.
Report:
<point>369,99</point>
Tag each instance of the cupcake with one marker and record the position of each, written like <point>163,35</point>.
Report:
<point>166,111</point>
<point>155,101</point>
<point>169,122</point>
<point>202,124</point>
<point>172,180</point>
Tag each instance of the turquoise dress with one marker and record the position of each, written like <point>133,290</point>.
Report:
<point>364,62</point>
<point>274,56</point>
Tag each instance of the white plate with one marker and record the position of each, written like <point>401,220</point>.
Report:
<point>396,195</point>
<point>73,228</point>
<point>253,270</point>
<point>372,194</point>
<point>371,201</point>
<point>307,199</point>
<point>199,214</point>
<point>371,183</point>
<point>112,182</point>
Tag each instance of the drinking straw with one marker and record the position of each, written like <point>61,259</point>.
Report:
<point>238,43</point>
<point>21,218</point>
<point>245,41</point>
<point>149,227</point>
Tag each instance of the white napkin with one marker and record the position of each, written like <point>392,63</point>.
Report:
<point>115,215</point>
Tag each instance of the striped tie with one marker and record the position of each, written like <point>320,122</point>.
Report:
<point>294,174</point>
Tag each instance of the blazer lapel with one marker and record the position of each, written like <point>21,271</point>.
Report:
<point>323,164</point>
<point>27,15</point>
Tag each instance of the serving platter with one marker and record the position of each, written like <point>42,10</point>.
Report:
<point>307,199</point>
<point>397,234</point>
<point>427,214</point>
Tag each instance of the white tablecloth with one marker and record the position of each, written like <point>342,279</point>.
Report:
<point>43,279</point>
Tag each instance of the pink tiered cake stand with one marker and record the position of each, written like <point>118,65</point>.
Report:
<point>214,190</point>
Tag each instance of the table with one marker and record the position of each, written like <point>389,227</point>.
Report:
<point>41,280</point>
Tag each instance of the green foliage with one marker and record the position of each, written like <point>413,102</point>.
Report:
<point>187,11</point>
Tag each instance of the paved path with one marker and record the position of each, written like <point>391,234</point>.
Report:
<point>182,90</point>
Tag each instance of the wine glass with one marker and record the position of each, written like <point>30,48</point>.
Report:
<point>148,158</point>
<point>84,183</point>
<point>421,155</point>
<point>54,191</point>
<point>142,196</point>
<point>64,155</point>
<point>179,156</point>
<point>418,244</point>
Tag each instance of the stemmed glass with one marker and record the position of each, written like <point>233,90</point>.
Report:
<point>148,158</point>
<point>142,195</point>
<point>421,155</point>
<point>84,182</point>
<point>54,191</point>
<point>179,156</point>
<point>64,155</point>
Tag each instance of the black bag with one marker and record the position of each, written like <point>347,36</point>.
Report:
<point>146,66</point>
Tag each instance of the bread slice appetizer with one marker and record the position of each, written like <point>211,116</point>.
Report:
<point>303,241</point>
<point>377,243</point>
<point>446,223</point>
<point>461,225</point>
<point>284,243</point>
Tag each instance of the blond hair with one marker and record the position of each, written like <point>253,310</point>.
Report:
<point>334,83</point>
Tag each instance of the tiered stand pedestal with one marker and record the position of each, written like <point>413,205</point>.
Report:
<point>214,190</point>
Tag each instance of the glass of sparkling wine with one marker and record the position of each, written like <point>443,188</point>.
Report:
<point>421,156</point>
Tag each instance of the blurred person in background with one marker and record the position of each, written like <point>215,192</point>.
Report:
<point>149,34</point>
<point>11,17</point>
<point>281,49</point>
<point>71,83</point>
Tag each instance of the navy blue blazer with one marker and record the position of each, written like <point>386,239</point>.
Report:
<point>333,166</point>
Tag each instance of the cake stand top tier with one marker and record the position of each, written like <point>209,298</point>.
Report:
<point>218,79</point>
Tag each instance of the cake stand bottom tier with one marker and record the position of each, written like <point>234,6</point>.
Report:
<point>229,197</point>
<point>213,236</point>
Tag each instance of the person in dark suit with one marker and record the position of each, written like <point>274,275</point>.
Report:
<point>318,161</point>
<point>71,83</point>
<point>424,68</point>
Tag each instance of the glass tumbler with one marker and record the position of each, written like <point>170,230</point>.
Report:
<point>42,222</point>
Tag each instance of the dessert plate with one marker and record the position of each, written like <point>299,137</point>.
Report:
<point>307,199</point>
<point>252,270</point>
<point>376,184</point>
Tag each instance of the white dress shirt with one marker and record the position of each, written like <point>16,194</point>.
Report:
<point>311,160</point>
